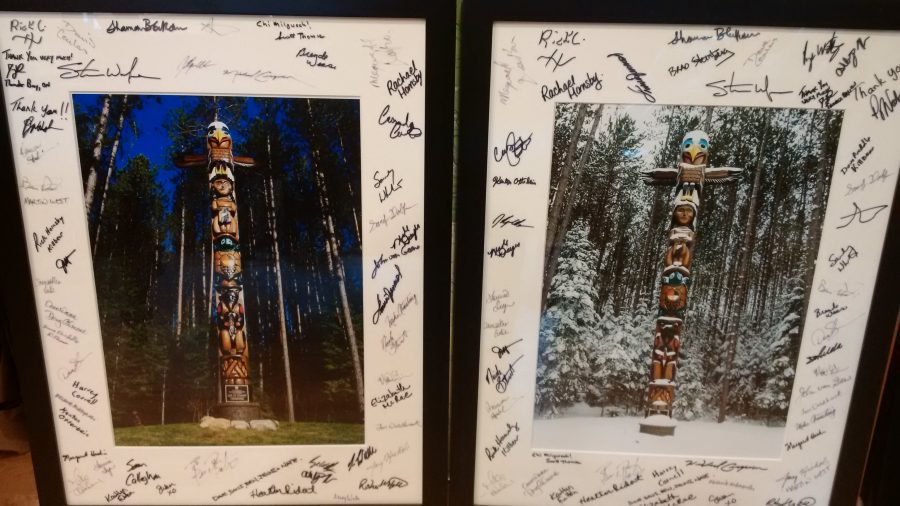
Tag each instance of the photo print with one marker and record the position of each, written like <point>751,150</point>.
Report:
<point>680,251</point>
<point>226,245</point>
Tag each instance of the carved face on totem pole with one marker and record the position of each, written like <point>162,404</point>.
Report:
<point>218,135</point>
<point>229,296</point>
<point>222,187</point>
<point>230,316</point>
<point>673,294</point>
<point>228,268</point>
<point>224,220</point>
<point>695,147</point>
<point>683,215</point>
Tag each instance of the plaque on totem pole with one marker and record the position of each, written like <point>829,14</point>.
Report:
<point>676,296</point>
<point>224,225</point>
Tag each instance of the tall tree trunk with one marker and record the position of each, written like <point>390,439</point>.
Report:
<point>565,210</point>
<point>342,289</point>
<point>817,213</point>
<point>162,407</point>
<point>338,265</point>
<point>353,207</point>
<point>282,327</point>
<point>91,184</point>
<point>110,167</point>
<point>180,295</point>
<point>151,282</point>
<point>562,182</point>
<point>707,118</point>
<point>746,254</point>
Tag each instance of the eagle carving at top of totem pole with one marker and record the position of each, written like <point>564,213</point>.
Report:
<point>692,172</point>
<point>219,144</point>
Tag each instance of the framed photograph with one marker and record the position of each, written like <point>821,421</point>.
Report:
<point>674,284</point>
<point>222,264</point>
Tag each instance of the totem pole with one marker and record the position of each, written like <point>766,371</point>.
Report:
<point>229,318</point>
<point>689,177</point>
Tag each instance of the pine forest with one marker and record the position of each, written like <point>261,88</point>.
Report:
<point>300,245</point>
<point>757,241</point>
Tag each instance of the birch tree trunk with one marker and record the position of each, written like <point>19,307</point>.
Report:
<point>91,183</point>
<point>353,208</point>
<point>342,289</point>
<point>109,171</point>
<point>178,303</point>
<point>338,269</point>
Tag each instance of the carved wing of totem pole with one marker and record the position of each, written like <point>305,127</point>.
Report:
<point>229,318</point>
<point>689,177</point>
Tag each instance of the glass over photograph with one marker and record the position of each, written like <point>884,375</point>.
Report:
<point>227,254</point>
<point>680,251</point>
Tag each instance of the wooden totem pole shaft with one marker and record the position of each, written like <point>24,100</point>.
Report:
<point>689,178</point>
<point>229,318</point>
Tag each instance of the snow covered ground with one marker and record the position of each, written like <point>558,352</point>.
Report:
<point>691,439</point>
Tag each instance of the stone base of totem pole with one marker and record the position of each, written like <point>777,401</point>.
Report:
<point>245,411</point>
<point>658,425</point>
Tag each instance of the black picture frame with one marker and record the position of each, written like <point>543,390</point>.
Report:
<point>478,19</point>
<point>17,299</point>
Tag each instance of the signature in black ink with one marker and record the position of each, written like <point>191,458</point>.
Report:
<point>859,156</point>
<point>633,75</point>
<point>404,128</point>
<point>78,70</point>
<point>851,59</point>
<point>388,293</point>
<point>64,262</point>
<point>500,379</point>
<point>30,126</point>
<point>148,26</point>
<point>504,249</point>
<point>503,350</point>
<point>732,87</point>
<point>406,237</point>
<point>882,107</point>
<point>386,189</point>
<point>824,352</point>
<point>504,220</point>
<point>29,39</point>
<point>557,58</point>
<point>829,311</point>
<point>862,215</point>
<point>843,259</point>
<point>515,147</point>
<point>831,47</point>
<point>569,37</point>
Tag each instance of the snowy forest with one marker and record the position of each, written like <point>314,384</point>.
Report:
<point>300,242</point>
<point>754,259</point>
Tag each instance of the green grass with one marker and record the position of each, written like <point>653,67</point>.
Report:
<point>190,434</point>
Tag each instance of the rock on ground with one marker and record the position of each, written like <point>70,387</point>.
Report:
<point>211,422</point>
<point>264,425</point>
